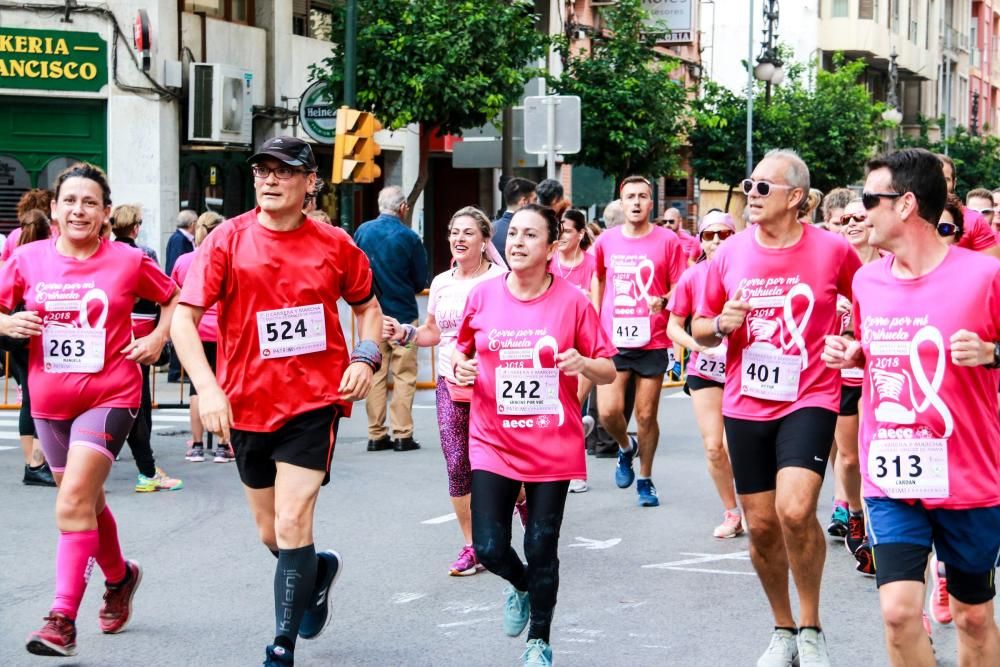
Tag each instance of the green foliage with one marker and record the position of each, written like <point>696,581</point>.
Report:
<point>977,158</point>
<point>448,63</point>
<point>826,116</point>
<point>632,111</point>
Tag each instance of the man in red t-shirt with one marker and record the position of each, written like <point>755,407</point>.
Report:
<point>285,377</point>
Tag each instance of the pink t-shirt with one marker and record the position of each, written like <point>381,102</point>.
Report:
<point>104,287</point>
<point>692,247</point>
<point>976,233</point>
<point>849,377</point>
<point>683,303</point>
<point>632,269</point>
<point>936,417</point>
<point>580,275</point>
<point>446,302</point>
<point>208,327</point>
<point>774,365</point>
<point>9,244</point>
<point>525,421</point>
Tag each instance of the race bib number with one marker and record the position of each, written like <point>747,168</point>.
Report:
<point>770,375</point>
<point>915,468</point>
<point>713,366</point>
<point>291,331</point>
<point>630,331</point>
<point>527,391</point>
<point>72,350</point>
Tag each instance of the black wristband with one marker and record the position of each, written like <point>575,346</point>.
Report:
<point>996,356</point>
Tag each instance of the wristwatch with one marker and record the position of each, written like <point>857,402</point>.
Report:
<point>996,356</point>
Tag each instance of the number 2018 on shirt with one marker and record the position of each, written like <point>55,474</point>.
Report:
<point>285,330</point>
<point>521,389</point>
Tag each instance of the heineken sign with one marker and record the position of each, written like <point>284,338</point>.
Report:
<point>317,113</point>
<point>53,60</point>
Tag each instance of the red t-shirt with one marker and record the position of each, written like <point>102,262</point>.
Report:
<point>76,301</point>
<point>281,349</point>
<point>525,420</point>
<point>773,364</point>
<point>634,268</point>
<point>938,419</point>
<point>976,233</point>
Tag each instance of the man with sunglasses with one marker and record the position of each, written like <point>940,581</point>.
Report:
<point>285,378</point>
<point>674,221</point>
<point>980,200</point>
<point>977,234</point>
<point>927,318</point>
<point>772,291</point>
<point>638,264</point>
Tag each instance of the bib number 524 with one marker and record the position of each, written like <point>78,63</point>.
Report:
<point>285,330</point>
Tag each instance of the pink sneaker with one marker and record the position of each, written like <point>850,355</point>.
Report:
<point>731,526</point>
<point>466,564</point>
<point>938,605</point>
<point>521,509</point>
<point>927,625</point>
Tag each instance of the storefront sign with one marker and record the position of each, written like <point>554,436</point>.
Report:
<point>53,60</point>
<point>674,16</point>
<point>318,114</point>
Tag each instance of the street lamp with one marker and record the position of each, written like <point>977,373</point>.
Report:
<point>769,65</point>
<point>892,113</point>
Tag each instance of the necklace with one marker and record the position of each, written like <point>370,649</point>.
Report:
<point>478,270</point>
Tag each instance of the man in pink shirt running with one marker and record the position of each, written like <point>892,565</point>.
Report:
<point>978,234</point>
<point>927,322</point>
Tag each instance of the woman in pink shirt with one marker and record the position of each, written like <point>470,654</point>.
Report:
<point>706,370</point>
<point>469,237</point>
<point>78,291</point>
<point>532,335</point>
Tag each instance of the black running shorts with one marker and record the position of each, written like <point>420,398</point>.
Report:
<point>306,440</point>
<point>849,397</point>
<point>694,383</point>
<point>759,449</point>
<point>644,363</point>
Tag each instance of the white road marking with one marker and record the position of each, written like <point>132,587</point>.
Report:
<point>6,447</point>
<point>473,621</point>
<point>444,518</point>
<point>425,407</point>
<point>701,559</point>
<point>590,544</point>
<point>403,598</point>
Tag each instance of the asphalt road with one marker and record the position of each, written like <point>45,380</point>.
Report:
<point>639,586</point>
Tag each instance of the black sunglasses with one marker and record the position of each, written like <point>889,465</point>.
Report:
<point>853,217</point>
<point>871,199</point>
<point>723,234</point>
<point>946,228</point>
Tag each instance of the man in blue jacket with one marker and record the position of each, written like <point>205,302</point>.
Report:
<point>399,264</point>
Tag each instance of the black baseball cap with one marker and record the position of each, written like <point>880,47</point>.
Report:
<point>290,150</point>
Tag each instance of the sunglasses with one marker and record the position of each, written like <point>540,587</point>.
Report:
<point>946,228</point>
<point>985,212</point>
<point>723,234</point>
<point>853,217</point>
<point>763,188</point>
<point>871,199</point>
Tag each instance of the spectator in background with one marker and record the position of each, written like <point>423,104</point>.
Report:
<point>126,220</point>
<point>614,214</point>
<point>182,240</point>
<point>34,199</point>
<point>550,193</point>
<point>319,215</point>
<point>399,265</point>
<point>517,192</point>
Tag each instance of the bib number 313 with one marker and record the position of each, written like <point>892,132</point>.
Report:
<point>73,350</point>
<point>915,468</point>
<point>287,332</point>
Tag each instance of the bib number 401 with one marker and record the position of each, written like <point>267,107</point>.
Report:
<point>763,373</point>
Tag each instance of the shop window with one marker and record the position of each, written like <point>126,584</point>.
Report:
<point>313,18</point>
<point>867,9</point>
<point>14,182</point>
<point>235,11</point>
<point>839,8</point>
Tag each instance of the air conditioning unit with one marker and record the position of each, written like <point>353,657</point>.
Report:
<point>220,104</point>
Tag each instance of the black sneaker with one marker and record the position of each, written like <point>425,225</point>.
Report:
<point>855,533</point>
<point>40,476</point>
<point>382,444</point>
<point>406,445</point>
<point>317,615</point>
<point>278,656</point>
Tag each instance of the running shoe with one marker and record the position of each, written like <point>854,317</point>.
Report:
<point>466,564</point>
<point>40,476</point>
<point>578,486</point>
<point>624,475</point>
<point>812,648</point>
<point>927,625</point>
<point>675,371</point>
<point>938,606</point>
<point>731,526</point>
<point>117,608</point>
<point>224,454</point>
<point>515,612</point>
<point>646,491</point>
<point>838,522</point>
<point>317,615</point>
<point>855,532</point>
<point>521,510</point>
<point>278,656</point>
<point>195,452</point>
<point>783,651</point>
<point>57,637</point>
<point>537,653</point>
<point>588,425</point>
<point>866,560</point>
<point>158,482</point>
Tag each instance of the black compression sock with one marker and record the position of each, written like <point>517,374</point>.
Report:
<point>284,643</point>
<point>294,579</point>
<point>794,631</point>
<point>810,627</point>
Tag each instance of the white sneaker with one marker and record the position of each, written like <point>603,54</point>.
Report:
<point>578,486</point>
<point>783,651</point>
<point>812,648</point>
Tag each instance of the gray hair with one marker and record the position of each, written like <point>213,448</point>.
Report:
<point>186,219</point>
<point>391,199</point>
<point>837,198</point>
<point>614,214</point>
<point>796,174</point>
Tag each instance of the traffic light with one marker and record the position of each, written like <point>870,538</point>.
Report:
<point>355,148</point>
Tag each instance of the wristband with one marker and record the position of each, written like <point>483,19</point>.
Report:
<point>717,328</point>
<point>409,335</point>
<point>367,352</point>
<point>996,356</point>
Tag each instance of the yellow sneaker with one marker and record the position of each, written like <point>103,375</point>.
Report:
<point>158,482</point>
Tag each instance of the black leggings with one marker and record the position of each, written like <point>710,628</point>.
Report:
<point>139,438</point>
<point>493,498</point>
<point>19,369</point>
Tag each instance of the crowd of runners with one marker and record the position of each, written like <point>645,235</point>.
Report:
<point>868,344</point>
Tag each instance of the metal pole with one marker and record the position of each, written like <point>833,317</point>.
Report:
<point>350,99</point>
<point>550,136</point>
<point>750,95</point>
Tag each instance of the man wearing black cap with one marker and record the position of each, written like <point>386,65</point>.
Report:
<point>285,377</point>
